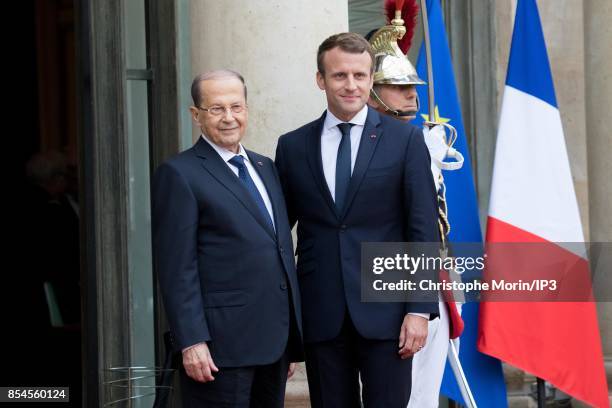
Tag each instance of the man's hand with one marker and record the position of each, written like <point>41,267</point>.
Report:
<point>291,370</point>
<point>413,335</point>
<point>198,363</point>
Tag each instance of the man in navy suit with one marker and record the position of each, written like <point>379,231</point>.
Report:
<point>223,253</point>
<point>349,177</point>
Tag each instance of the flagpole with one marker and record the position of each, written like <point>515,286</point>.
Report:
<point>430,78</point>
<point>453,355</point>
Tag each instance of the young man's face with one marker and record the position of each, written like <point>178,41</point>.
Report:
<point>396,97</point>
<point>347,82</point>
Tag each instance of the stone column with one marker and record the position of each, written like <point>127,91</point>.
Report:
<point>273,44</point>
<point>598,86</point>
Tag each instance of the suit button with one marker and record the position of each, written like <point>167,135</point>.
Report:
<point>283,286</point>
<point>281,249</point>
<point>343,228</point>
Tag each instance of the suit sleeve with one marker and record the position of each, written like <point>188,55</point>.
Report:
<point>421,223</point>
<point>175,229</point>
<point>421,209</point>
<point>281,166</point>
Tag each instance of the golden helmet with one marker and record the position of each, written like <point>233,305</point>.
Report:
<point>391,65</point>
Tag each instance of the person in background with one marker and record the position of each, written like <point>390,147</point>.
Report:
<point>394,94</point>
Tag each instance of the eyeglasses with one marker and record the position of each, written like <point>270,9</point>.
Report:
<point>220,110</point>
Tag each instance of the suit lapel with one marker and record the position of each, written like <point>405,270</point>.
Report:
<point>315,162</point>
<point>217,168</point>
<point>266,174</point>
<point>369,140</point>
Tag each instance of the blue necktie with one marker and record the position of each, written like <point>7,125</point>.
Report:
<point>343,165</point>
<point>244,176</point>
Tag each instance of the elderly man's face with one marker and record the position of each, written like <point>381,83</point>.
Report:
<point>396,97</point>
<point>347,82</point>
<point>228,128</point>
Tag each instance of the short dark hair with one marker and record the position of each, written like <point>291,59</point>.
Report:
<point>196,93</point>
<point>348,42</point>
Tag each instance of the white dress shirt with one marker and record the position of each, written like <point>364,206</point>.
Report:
<point>330,141</point>
<point>227,155</point>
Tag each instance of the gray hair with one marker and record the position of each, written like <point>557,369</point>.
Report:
<point>196,93</point>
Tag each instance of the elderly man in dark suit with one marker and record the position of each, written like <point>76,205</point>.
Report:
<point>349,177</point>
<point>223,253</point>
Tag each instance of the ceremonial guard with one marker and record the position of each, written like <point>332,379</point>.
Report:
<point>394,94</point>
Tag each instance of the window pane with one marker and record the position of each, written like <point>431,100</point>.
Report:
<point>139,236</point>
<point>135,34</point>
<point>365,15</point>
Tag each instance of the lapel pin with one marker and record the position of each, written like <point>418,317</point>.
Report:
<point>260,164</point>
<point>373,136</point>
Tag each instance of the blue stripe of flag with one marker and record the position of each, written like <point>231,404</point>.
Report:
<point>528,69</point>
<point>484,373</point>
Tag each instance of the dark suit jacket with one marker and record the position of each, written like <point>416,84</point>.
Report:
<point>391,198</point>
<point>225,275</point>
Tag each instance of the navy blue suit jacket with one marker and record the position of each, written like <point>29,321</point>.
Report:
<point>224,273</point>
<point>391,198</point>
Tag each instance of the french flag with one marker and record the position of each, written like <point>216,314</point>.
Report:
<point>533,201</point>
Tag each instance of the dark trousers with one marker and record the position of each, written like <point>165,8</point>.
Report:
<point>241,387</point>
<point>334,367</point>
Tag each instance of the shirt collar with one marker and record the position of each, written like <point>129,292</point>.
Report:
<point>225,154</point>
<point>359,119</point>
